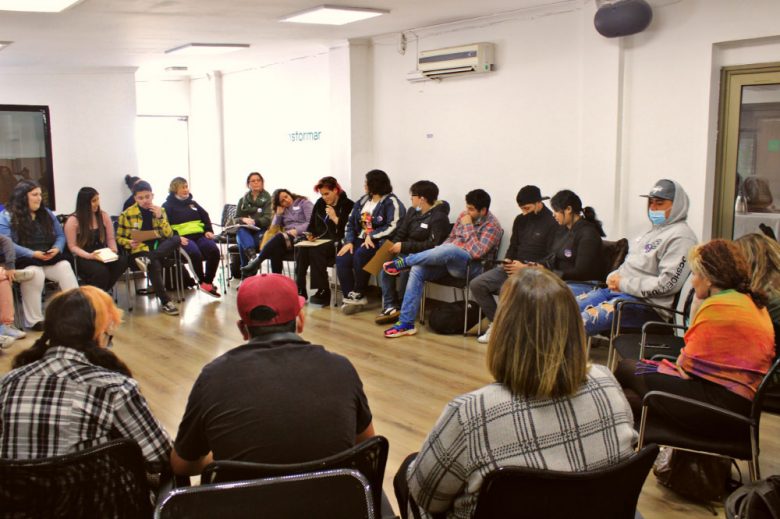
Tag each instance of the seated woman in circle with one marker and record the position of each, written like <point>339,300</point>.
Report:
<point>83,394</point>
<point>763,257</point>
<point>38,241</point>
<point>729,345</point>
<point>575,254</point>
<point>254,209</point>
<point>193,224</point>
<point>291,214</point>
<point>548,406</point>
<point>90,229</point>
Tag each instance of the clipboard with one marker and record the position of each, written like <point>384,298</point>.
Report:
<point>314,243</point>
<point>382,256</point>
<point>141,236</point>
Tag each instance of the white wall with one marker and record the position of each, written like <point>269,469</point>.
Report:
<point>92,126</point>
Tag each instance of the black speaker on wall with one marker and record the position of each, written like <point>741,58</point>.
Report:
<point>622,17</point>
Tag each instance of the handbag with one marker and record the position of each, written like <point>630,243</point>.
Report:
<point>270,233</point>
<point>699,477</point>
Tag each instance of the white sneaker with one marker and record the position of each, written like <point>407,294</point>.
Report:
<point>6,341</point>
<point>355,298</point>
<point>485,337</point>
<point>11,331</point>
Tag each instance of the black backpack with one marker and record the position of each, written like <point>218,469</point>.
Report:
<point>759,500</point>
<point>447,318</point>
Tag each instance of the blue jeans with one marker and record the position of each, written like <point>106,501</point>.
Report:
<point>598,309</point>
<point>349,268</point>
<point>247,239</point>
<point>430,265</point>
<point>393,288</point>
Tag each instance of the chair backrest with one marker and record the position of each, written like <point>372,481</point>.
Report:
<point>521,492</point>
<point>108,480</point>
<point>369,458</point>
<point>768,394</point>
<point>613,253</point>
<point>228,214</point>
<point>339,493</point>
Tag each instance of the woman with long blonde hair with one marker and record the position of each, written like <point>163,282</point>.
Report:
<point>763,257</point>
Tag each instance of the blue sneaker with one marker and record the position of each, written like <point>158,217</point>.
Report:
<point>10,330</point>
<point>400,329</point>
<point>393,268</point>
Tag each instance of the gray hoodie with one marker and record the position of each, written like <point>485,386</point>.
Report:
<point>657,263</point>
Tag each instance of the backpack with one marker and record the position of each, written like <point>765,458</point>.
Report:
<point>447,318</point>
<point>700,477</point>
<point>758,500</point>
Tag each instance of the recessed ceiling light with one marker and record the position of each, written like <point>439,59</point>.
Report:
<point>206,49</point>
<point>333,15</point>
<point>37,6</point>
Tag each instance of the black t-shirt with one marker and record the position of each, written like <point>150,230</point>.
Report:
<point>277,399</point>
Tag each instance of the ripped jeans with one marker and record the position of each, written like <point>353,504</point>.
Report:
<point>597,307</point>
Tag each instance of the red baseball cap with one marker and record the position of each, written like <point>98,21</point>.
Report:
<point>277,292</point>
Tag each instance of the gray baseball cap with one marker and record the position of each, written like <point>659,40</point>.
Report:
<point>662,189</point>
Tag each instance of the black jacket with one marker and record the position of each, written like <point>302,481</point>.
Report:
<point>323,227</point>
<point>182,211</point>
<point>422,231</point>
<point>532,236</point>
<point>576,253</point>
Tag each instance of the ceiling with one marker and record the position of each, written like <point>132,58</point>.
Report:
<point>136,33</point>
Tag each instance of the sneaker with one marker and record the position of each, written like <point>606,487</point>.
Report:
<point>393,268</point>
<point>388,315</point>
<point>321,297</point>
<point>209,289</point>
<point>169,308</point>
<point>23,275</point>
<point>355,298</point>
<point>485,337</point>
<point>11,331</point>
<point>143,263</point>
<point>400,329</point>
<point>6,341</point>
<point>351,309</point>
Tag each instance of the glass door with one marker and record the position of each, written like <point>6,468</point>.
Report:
<point>747,197</point>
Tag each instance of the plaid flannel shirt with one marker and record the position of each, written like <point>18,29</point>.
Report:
<point>478,239</point>
<point>131,219</point>
<point>63,403</point>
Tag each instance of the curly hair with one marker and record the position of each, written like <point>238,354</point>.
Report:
<point>763,256</point>
<point>21,220</point>
<point>725,266</point>
<point>275,200</point>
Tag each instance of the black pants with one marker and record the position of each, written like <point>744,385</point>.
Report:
<point>686,417</point>
<point>99,274</point>
<point>319,258</point>
<point>275,250</point>
<point>165,249</point>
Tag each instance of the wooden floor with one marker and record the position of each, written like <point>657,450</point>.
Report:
<point>407,380</point>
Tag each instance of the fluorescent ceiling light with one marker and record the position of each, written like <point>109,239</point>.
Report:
<point>333,15</point>
<point>37,6</point>
<point>206,49</point>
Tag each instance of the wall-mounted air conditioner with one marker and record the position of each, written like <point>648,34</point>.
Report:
<point>453,61</point>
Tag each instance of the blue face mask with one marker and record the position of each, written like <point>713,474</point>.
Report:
<point>657,217</point>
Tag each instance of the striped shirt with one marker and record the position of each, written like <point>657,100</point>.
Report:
<point>63,403</point>
<point>490,428</point>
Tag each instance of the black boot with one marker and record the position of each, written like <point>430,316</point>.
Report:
<point>250,254</point>
<point>322,297</point>
<point>251,268</point>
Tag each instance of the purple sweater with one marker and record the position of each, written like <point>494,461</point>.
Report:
<point>296,216</point>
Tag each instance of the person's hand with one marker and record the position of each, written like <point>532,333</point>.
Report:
<point>157,210</point>
<point>184,241</point>
<point>346,249</point>
<point>514,266</point>
<point>209,235</point>
<point>95,256</point>
<point>247,221</point>
<point>309,236</point>
<point>368,242</point>
<point>396,248</point>
<point>613,282</point>
<point>279,210</point>
<point>134,244</point>
<point>293,232</point>
<point>39,255</point>
<point>331,214</point>
<point>6,274</point>
<point>466,219</point>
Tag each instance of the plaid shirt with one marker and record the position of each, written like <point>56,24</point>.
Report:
<point>131,219</point>
<point>489,428</point>
<point>63,403</point>
<point>478,239</point>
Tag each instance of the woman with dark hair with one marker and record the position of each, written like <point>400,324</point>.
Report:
<point>548,407</point>
<point>576,250</point>
<point>291,215</point>
<point>83,394</point>
<point>729,346</point>
<point>88,230</point>
<point>38,243</point>
<point>328,221</point>
<point>373,219</point>
<point>193,224</point>
<point>253,213</point>
<point>130,182</point>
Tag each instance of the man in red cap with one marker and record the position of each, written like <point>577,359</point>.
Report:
<point>275,399</point>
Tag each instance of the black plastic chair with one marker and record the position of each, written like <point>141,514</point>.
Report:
<point>736,435</point>
<point>108,480</point>
<point>369,458</point>
<point>521,492</point>
<point>227,238</point>
<point>341,493</point>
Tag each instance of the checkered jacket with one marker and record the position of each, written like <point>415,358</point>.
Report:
<point>131,219</point>
<point>477,239</point>
<point>489,428</point>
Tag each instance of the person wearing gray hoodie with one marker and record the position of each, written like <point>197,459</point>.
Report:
<point>654,270</point>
